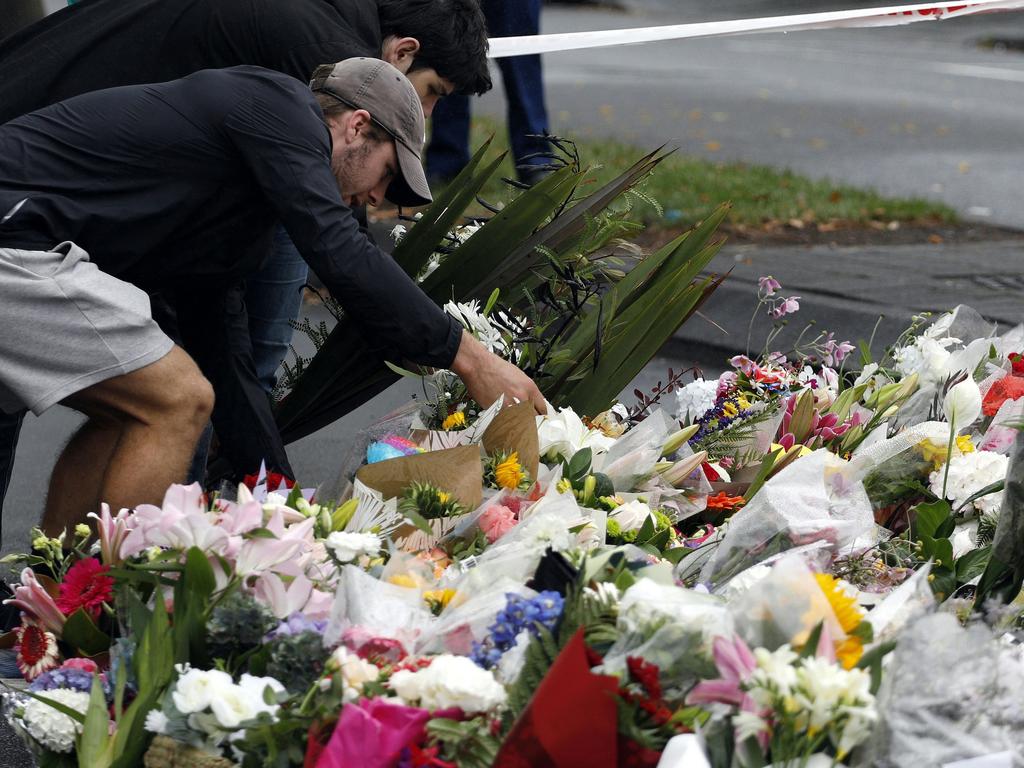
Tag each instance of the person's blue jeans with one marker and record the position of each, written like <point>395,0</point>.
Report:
<point>448,152</point>
<point>273,298</point>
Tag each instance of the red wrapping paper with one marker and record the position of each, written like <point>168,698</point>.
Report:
<point>571,721</point>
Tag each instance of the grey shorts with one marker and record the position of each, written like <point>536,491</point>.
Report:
<point>65,325</point>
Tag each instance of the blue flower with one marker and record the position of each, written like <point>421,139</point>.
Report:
<point>520,613</point>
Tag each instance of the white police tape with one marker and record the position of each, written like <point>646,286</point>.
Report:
<point>501,47</point>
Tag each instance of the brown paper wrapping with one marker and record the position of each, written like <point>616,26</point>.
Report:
<point>458,471</point>
<point>515,429</point>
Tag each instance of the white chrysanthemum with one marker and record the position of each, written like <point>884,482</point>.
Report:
<point>824,689</point>
<point>450,681</point>
<point>695,399</point>
<point>348,546</point>
<point>925,356</point>
<point>968,474</point>
<point>55,730</point>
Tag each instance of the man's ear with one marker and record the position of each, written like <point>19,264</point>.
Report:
<point>399,52</point>
<point>359,122</point>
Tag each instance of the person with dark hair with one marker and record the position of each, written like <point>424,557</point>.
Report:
<point>439,44</point>
<point>448,152</point>
<point>182,182</point>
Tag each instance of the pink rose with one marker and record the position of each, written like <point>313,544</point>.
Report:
<point>496,521</point>
<point>85,665</point>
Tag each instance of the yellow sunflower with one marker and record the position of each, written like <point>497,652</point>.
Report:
<point>849,615</point>
<point>455,421</point>
<point>508,474</point>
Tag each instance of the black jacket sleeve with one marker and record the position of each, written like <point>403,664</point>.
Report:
<point>288,150</point>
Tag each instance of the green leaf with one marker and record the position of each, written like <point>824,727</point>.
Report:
<point>872,660</point>
<point>93,744</point>
<point>82,633</point>
<point>995,487</point>
<point>972,564</point>
<point>491,301</point>
<point>767,464</point>
<point>864,631</point>
<point>418,520</point>
<point>929,516</point>
<point>810,648</point>
<point>579,465</point>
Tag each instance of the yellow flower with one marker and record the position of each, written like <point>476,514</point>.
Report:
<point>83,530</point>
<point>444,497</point>
<point>454,421</point>
<point>564,485</point>
<point>403,580</point>
<point>509,474</point>
<point>742,402</point>
<point>729,409</point>
<point>849,651</point>
<point>438,598</point>
<point>936,453</point>
<point>849,615</point>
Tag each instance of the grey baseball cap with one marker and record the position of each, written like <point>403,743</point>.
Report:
<point>393,104</point>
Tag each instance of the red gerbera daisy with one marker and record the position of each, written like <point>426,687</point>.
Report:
<point>86,586</point>
<point>36,651</point>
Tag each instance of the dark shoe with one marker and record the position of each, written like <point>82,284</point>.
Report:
<point>533,175</point>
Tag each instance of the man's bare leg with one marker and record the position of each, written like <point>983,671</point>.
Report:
<point>78,474</point>
<point>161,410</point>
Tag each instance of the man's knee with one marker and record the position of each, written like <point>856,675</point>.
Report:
<point>191,401</point>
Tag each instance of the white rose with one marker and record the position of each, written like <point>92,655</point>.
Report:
<point>256,688</point>
<point>195,687</point>
<point>450,681</point>
<point>631,516</point>
<point>232,706</point>
<point>348,546</point>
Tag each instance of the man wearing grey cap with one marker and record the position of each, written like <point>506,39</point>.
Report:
<point>114,192</point>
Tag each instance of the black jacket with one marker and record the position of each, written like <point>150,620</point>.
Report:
<point>106,43</point>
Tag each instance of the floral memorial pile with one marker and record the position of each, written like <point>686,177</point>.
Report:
<point>783,566</point>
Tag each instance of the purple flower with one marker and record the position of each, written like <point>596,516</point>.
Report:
<point>296,624</point>
<point>786,307</point>
<point>836,351</point>
<point>768,285</point>
<point>743,363</point>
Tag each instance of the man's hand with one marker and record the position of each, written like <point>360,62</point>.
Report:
<point>487,376</point>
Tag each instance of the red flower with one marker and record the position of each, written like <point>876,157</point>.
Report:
<point>1007,388</point>
<point>36,651</point>
<point>1017,361</point>
<point>723,501</point>
<point>274,481</point>
<point>646,674</point>
<point>86,586</point>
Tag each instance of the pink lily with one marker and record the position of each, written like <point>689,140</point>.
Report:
<point>735,663</point>
<point>32,598</point>
<point>283,601</point>
<point>112,532</point>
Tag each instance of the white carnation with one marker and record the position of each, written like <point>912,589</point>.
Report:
<point>695,399</point>
<point>348,546</point>
<point>55,730</point>
<point>450,681</point>
<point>968,474</point>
